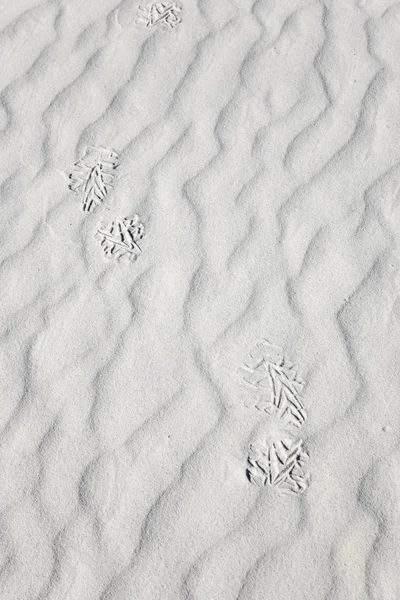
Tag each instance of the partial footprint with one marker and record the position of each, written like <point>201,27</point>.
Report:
<point>93,175</point>
<point>279,464</point>
<point>120,238</point>
<point>160,13</point>
<point>273,384</point>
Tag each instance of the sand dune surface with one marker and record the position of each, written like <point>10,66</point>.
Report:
<point>199,283</point>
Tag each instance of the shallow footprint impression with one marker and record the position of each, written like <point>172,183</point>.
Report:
<point>274,388</point>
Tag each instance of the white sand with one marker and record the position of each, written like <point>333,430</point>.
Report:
<point>259,145</point>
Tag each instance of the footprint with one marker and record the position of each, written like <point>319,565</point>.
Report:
<point>273,387</point>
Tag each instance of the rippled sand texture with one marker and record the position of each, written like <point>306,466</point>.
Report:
<point>259,143</point>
